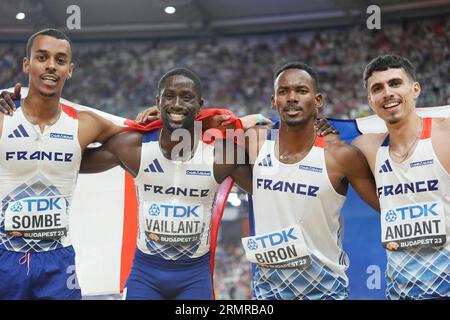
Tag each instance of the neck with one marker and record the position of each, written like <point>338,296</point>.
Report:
<point>294,142</point>
<point>403,137</point>
<point>184,149</point>
<point>295,139</point>
<point>41,108</point>
<point>405,131</point>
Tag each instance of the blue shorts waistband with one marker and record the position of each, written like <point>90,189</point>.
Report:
<point>158,261</point>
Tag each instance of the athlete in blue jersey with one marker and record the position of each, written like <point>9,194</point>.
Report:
<point>40,151</point>
<point>411,165</point>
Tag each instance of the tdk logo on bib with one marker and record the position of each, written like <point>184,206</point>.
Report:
<point>273,239</point>
<point>412,212</point>
<point>174,211</point>
<point>38,205</point>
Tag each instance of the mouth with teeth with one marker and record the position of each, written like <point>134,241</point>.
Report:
<point>391,105</point>
<point>175,116</point>
<point>49,79</point>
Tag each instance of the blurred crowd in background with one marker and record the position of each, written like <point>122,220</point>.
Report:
<point>121,78</point>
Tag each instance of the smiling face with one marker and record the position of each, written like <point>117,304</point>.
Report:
<point>179,102</point>
<point>392,94</point>
<point>49,65</point>
<point>296,99</point>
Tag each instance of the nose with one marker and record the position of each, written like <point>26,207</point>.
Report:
<point>292,96</point>
<point>387,93</point>
<point>51,64</point>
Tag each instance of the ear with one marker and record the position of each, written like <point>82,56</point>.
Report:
<point>417,89</point>
<point>273,103</point>
<point>70,71</point>
<point>26,65</point>
<point>202,104</point>
<point>319,101</point>
<point>157,102</point>
<point>369,100</point>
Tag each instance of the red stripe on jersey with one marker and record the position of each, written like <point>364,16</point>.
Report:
<point>426,128</point>
<point>71,112</point>
<point>320,142</point>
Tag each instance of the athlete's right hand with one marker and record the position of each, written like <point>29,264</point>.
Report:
<point>148,115</point>
<point>7,105</point>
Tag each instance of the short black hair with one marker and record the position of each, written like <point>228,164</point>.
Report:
<point>301,66</point>
<point>182,72</point>
<point>389,61</point>
<point>47,32</point>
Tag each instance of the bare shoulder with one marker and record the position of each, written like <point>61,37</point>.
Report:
<point>442,124</point>
<point>128,138</point>
<point>439,137</point>
<point>338,149</point>
<point>369,141</point>
<point>89,117</point>
<point>350,156</point>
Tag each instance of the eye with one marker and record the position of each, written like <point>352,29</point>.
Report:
<point>303,91</point>
<point>376,89</point>
<point>61,60</point>
<point>41,57</point>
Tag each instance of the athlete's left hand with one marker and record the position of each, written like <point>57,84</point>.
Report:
<point>324,128</point>
<point>148,115</point>
<point>7,105</point>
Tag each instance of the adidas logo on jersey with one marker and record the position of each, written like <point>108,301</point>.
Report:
<point>19,132</point>
<point>386,167</point>
<point>266,162</point>
<point>154,167</point>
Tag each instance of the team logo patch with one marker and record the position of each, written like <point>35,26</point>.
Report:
<point>61,136</point>
<point>266,162</point>
<point>386,167</point>
<point>154,167</point>
<point>421,163</point>
<point>198,173</point>
<point>19,132</point>
<point>309,168</point>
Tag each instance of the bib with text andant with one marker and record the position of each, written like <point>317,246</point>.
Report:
<point>414,225</point>
<point>283,248</point>
<point>172,223</point>
<point>37,218</point>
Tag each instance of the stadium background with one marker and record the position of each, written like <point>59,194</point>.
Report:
<point>123,47</point>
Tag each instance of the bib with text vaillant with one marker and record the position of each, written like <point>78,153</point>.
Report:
<point>414,225</point>
<point>171,223</point>
<point>283,248</point>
